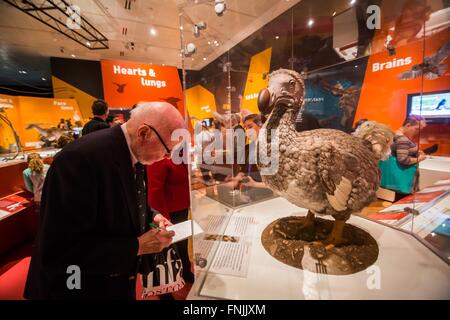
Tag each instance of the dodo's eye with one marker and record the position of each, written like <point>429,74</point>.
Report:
<point>292,82</point>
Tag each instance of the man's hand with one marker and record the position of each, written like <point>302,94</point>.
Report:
<point>239,176</point>
<point>161,221</point>
<point>250,182</point>
<point>154,241</point>
<point>234,181</point>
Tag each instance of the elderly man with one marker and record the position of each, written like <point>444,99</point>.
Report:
<point>94,219</point>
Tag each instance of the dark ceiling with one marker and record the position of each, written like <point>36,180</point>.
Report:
<point>37,77</point>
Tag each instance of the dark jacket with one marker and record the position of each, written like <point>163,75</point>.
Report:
<point>94,124</point>
<point>89,218</point>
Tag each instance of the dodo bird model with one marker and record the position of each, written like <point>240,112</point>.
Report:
<point>327,171</point>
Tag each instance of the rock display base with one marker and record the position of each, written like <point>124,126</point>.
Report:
<point>289,242</point>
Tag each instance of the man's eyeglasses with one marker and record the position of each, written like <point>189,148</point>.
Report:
<point>159,137</point>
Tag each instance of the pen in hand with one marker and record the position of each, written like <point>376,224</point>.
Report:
<point>154,226</point>
<point>153,242</point>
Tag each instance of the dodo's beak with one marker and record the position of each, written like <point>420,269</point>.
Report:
<point>265,104</point>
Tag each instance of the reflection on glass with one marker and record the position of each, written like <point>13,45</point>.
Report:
<point>394,73</point>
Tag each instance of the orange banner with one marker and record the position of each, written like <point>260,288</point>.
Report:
<point>44,113</point>
<point>31,116</point>
<point>126,83</point>
<point>385,91</point>
<point>9,108</point>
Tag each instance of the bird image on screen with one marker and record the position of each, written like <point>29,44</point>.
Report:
<point>432,66</point>
<point>326,171</point>
<point>433,106</point>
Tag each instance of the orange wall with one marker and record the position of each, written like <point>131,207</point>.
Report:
<point>43,111</point>
<point>10,105</point>
<point>384,96</point>
<point>47,112</point>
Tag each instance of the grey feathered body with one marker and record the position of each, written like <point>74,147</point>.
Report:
<point>326,171</point>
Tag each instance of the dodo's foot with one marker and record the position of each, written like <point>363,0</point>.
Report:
<point>335,239</point>
<point>308,225</point>
<point>308,222</point>
<point>299,229</point>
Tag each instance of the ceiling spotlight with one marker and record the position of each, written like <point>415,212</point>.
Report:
<point>277,37</point>
<point>204,59</point>
<point>88,43</point>
<point>72,55</point>
<point>352,2</point>
<point>190,49</point>
<point>199,26</point>
<point>220,7</point>
<point>43,79</point>
<point>153,31</point>
<point>334,13</point>
<point>310,22</point>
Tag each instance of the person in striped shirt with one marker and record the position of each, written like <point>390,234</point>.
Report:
<point>404,148</point>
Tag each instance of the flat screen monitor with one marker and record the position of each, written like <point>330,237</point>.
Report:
<point>433,106</point>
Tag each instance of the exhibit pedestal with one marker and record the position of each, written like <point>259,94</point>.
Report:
<point>433,169</point>
<point>405,268</point>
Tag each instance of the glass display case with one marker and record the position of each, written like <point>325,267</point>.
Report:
<point>359,62</point>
